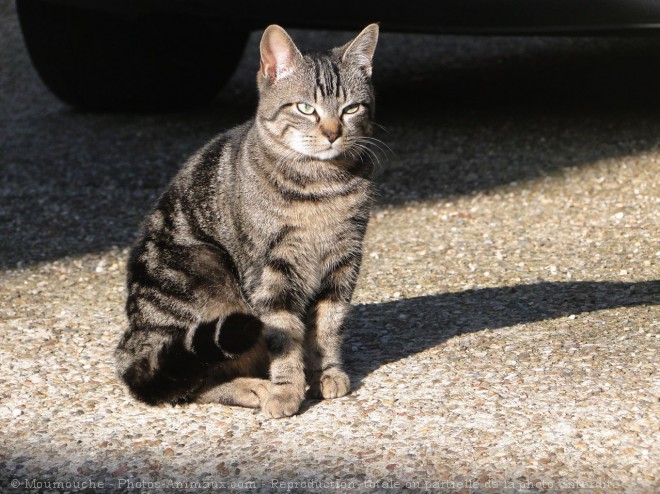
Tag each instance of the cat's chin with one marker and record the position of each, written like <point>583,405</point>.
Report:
<point>327,155</point>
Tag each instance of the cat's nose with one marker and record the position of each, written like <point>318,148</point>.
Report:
<point>332,134</point>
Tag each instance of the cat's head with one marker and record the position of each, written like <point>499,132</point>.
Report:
<point>316,105</point>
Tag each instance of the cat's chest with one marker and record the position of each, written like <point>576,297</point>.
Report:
<point>317,230</point>
<point>316,219</point>
<point>324,215</point>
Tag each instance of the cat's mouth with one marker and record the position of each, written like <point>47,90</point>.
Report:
<point>329,153</point>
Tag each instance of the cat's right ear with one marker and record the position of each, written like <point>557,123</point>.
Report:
<point>278,54</point>
<point>361,50</point>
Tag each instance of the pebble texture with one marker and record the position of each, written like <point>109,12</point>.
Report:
<point>505,330</point>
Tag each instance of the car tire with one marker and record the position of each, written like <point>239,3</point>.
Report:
<point>105,60</point>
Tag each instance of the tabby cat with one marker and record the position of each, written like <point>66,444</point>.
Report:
<point>240,282</point>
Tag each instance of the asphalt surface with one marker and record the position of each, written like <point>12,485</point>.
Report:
<point>506,326</point>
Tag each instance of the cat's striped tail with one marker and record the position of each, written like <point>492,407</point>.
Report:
<point>170,364</point>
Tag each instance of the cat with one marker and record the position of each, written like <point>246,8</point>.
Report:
<point>243,274</point>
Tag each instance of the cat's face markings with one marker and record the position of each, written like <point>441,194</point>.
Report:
<point>317,105</point>
<point>327,129</point>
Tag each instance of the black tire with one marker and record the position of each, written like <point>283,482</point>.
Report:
<point>98,60</point>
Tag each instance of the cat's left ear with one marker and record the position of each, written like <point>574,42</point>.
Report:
<point>278,53</point>
<point>361,50</point>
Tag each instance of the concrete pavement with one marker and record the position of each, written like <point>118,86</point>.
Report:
<point>505,333</point>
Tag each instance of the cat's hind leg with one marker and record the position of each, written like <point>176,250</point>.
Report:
<point>242,381</point>
<point>251,392</point>
<point>163,365</point>
<point>186,317</point>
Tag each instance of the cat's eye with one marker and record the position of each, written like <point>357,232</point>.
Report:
<point>351,109</point>
<point>305,109</point>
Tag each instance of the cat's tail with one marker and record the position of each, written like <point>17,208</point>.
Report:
<point>169,364</point>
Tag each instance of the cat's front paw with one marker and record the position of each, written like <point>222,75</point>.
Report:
<point>283,401</point>
<point>333,383</point>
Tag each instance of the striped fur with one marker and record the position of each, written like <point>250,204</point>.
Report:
<point>243,274</point>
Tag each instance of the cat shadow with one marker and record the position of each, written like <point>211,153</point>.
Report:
<point>381,333</point>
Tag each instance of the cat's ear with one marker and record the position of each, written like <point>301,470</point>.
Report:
<point>361,50</point>
<point>278,53</point>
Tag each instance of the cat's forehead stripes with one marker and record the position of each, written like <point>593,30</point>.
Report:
<point>328,78</point>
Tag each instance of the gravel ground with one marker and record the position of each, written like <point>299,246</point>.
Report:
<point>505,332</point>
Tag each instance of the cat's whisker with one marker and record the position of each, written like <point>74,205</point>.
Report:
<point>382,127</point>
<point>377,142</point>
<point>353,153</point>
<point>370,146</point>
<point>368,152</point>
